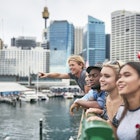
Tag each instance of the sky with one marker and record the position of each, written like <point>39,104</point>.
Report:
<point>24,17</point>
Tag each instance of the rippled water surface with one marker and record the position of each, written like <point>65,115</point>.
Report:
<point>22,123</point>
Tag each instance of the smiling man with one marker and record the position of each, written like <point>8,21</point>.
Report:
<point>77,72</point>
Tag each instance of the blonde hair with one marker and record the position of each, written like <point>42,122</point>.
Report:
<point>78,59</point>
<point>115,65</point>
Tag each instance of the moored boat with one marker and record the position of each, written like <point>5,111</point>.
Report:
<point>79,94</point>
<point>68,95</point>
<point>42,96</point>
<point>49,93</point>
<point>28,96</point>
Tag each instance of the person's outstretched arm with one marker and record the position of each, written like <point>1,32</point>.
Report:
<point>54,75</point>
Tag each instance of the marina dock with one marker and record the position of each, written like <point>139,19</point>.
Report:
<point>8,100</point>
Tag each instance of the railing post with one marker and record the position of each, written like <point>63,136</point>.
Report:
<point>95,130</point>
<point>40,128</point>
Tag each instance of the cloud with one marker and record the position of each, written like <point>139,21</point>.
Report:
<point>24,17</point>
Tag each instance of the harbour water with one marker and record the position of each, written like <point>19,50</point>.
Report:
<point>22,122</point>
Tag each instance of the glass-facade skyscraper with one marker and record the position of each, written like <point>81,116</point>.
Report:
<point>61,41</point>
<point>94,41</point>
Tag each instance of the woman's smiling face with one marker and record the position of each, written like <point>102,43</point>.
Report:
<point>129,81</point>
<point>107,79</point>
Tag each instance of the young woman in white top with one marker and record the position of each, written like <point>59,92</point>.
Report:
<point>128,116</point>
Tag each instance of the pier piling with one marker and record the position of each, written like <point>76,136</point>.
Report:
<point>41,127</point>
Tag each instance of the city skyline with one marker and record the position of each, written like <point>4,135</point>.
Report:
<point>24,17</point>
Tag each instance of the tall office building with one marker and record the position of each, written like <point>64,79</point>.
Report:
<point>1,44</point>
<point>15,61</point>
<point>25,43</point>
<point>45,41</point>
<point>94,41</point>
<point>125,40</point>
<point>61,41</point>
<point>78,40</point>
<point>107,47</point>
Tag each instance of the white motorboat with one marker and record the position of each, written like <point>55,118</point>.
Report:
<point>68,95</point>
<point>29,96</point>
<point>42,96</point>
<point>49,93</point>
<point>79,94</point>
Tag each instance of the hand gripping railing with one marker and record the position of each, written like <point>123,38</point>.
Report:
<point>94,130</point>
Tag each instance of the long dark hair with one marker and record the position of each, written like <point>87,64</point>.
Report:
<point>136,66</point>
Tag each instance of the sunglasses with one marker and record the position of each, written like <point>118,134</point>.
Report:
<point>115,63</point>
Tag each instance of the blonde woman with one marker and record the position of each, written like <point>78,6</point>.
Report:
<point>77,71</point>
<point>109,76</point>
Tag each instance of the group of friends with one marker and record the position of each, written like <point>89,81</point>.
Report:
<point>112,92</point>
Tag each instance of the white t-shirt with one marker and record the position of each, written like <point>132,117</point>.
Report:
<point>127,127</point>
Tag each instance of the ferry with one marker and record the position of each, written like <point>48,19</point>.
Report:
<point>66,91</point>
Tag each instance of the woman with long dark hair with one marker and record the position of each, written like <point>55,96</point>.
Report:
<point>128,115</point>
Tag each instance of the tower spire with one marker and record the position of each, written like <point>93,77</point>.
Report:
<point>45,16</point>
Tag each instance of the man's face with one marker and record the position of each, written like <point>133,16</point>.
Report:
<point>94,76</point>
<point>74,67</point>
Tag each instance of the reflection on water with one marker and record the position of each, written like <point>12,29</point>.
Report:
<point>22,123</point>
